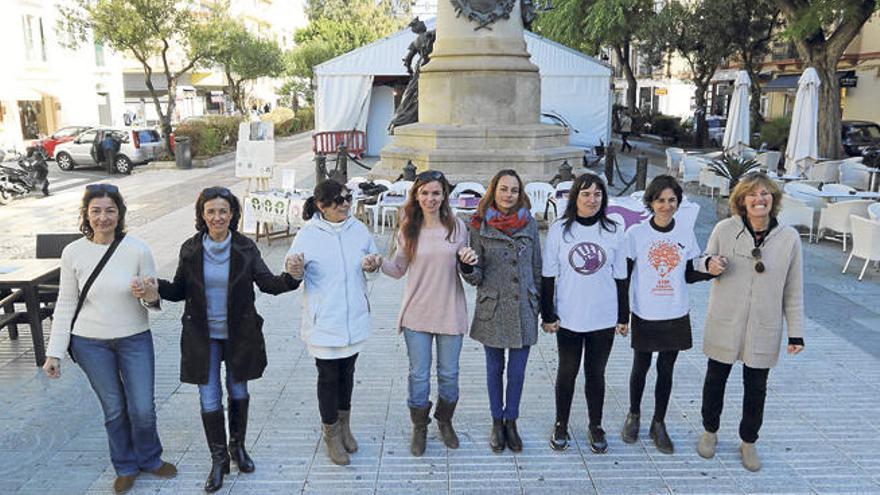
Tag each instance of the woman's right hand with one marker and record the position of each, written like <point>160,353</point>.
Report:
<point>717,265</point>
<point>52,367</point>
<point>550,327</point>
<point>295,265</point>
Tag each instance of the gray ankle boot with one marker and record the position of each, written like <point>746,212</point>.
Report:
<point>333,441</point>
<point>706,447</point>
<point>348,441</point>
<point>750,458</point>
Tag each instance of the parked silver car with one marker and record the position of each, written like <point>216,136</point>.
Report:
<point>137,146</point>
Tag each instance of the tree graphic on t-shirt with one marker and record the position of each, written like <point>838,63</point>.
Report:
<point>664,256</point>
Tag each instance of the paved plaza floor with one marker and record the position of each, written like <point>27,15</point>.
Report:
<point>821,432</point>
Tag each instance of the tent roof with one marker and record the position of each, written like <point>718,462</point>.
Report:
<point>383,58</point>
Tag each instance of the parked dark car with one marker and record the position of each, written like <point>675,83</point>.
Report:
<point>857,135</point>
<point>592,152</point>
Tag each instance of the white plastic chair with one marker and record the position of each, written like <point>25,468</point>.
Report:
<point>806,193</point>
<point>797,213</point>
<point>866,242</point>
<point>769,160</point>
<point>854,174</point>
<point>467,186</point>
<point>539,194</point>
<point>874,211</point>
<point>840,189</point>
<point>562,202</point>
<point>673,159</point>
<point>836,218</point>
<point>825,172</point>
<point>690,168</point>
<point>390,212</point>
<point>713,181</point>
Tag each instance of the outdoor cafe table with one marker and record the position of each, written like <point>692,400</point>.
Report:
<point>26,275</point>
<point>842,195</point>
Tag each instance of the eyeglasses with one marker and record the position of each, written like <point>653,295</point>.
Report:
<point>429,175</point>
<point>759,265</point>
<point>102,188</point>
<point>339,199</point>
<point>213,192</point>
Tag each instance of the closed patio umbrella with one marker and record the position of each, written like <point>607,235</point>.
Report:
<point>736,133</point>
<point>802,149</point>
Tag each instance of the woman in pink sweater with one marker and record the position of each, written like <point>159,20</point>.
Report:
<point>430,244</point>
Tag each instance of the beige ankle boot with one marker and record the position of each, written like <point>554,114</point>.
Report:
<point>706,447</point>
<point>348,441</point>
<point>333,440</point>
<point>750,458</point>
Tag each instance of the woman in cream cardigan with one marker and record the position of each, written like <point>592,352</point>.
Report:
<point>759,282</point>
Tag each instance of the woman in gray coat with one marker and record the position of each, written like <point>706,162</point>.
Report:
<point>504,237</point>
<point>759,282</point>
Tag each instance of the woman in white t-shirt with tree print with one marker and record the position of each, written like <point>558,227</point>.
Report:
<point>583,300</point>
<point>660,265</point>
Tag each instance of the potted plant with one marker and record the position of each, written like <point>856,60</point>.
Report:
<point>732,168</point>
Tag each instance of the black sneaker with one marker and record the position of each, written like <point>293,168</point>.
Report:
<point>596,435</point>
<point>559,439</point>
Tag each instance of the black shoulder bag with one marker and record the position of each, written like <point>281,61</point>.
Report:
<point>88,285</point>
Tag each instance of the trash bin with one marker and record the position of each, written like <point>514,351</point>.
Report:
<point>183,152</point>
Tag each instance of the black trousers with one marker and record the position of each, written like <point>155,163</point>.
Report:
<point>335,384</point>
<point>595,347</point>
<point>754,394</point>
<point>624,145</point>
<point>663,386</point>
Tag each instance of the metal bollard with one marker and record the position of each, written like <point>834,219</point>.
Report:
<point>320,168</point>
<point>409,171</point>
<point>341,172</point>
<point>610,157</point>
<point>641,172</point>
<point>565,172</point>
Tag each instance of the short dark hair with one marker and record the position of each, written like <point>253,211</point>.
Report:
<point>215,192</point>
<point>660,184</point>
<point>101,191</point>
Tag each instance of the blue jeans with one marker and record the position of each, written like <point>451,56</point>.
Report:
<point>211,394</point>
<point>122,373</point>
<point>516,374</point>
<point>418,348</point>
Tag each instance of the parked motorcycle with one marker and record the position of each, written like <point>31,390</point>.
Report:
<point>19,174</point>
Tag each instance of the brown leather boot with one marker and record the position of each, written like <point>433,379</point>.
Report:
<point>123,484</point>
<point>420,417</point>
<point>348,441</point>
<point>443,414</point>
<point>333,441</point>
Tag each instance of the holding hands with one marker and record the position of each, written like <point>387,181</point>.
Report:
<point>145,288</point>
<point>295,265</point>
<point>717,265</point>
<point>371,262</point>
<point>622,329</point>
<point>468,256</point>
<point>550,327</point>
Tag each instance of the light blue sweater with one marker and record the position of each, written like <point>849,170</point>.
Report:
<point>216,265</point>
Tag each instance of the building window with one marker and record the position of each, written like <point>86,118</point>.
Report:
<point>99,54</point>
<point>34,38</point>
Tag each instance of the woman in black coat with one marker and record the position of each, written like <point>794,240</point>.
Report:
<point>216,273</point>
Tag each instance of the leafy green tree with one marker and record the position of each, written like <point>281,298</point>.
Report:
<point>168,37</point>
<point>751,33</point>
<point>699,33</point>
<point>586,25</point>
<point>821,31</point>
<point>244,57</point>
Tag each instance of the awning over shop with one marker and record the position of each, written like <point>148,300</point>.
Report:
<point>135,82</point>
<point>789,82</point>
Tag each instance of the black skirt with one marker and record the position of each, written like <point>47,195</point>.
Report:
<point>661,335</point>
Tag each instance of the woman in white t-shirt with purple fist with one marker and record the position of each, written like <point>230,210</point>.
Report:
<point>660,256</point>
<point>583,300</point>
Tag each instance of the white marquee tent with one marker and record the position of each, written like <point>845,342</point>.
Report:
<point>574,85</point>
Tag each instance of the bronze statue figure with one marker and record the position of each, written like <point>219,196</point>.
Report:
<point>408,110</point>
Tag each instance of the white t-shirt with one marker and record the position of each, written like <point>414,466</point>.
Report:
<point>659,291</point>
<point>585,262</point>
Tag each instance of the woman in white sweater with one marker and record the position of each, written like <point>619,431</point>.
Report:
<point>109,335</point>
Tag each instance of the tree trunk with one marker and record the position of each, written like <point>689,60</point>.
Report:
<point>169,112</point>
<point>755,97</point>
<point>164,117</point>
<point>701,133</point>
<point>830,145</point>
<point>631,84</point>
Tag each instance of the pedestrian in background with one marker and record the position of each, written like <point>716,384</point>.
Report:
<point>110,145</point>
<point>583,301</point>
<point>504,237</point>
<point>330,253</point>
<point>216,273</point>
<point>660,264</point>
<point>759,283</point>
<point>107,332</point>
<point>625,131</point>
<point>431,243</point>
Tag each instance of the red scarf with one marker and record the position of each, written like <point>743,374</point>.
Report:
<point>509,224</point>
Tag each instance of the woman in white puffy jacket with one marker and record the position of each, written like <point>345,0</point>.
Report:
<point>330,254</point>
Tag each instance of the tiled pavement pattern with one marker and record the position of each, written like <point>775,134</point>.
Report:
<point>821,430</point>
